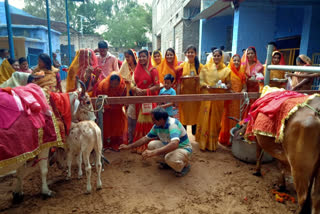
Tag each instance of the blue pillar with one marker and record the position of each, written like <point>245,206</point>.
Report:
<point>10,34</point>
<point>68,29</point>
<point>49,29</point>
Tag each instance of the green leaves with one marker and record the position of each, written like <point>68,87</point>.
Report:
<point>126,21</point>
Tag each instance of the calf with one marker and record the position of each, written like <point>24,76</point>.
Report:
<point>84,137</point>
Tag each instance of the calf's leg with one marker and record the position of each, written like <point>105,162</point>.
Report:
<point>79,165</point>
<point>69,163</point>
<point>86,157</point>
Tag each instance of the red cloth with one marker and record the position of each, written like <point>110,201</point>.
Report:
<point>62,103</point>
<point>267,112</point>
<point>34,103</point>
<point>22,138</point>
<point>9,111</point>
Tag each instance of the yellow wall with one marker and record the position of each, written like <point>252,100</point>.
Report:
<point>19,46</point>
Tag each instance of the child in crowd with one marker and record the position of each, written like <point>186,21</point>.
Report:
<point>168,90</point>
<point>24,66</point>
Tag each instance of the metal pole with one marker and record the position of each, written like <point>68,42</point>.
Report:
<point>269,58</point>
<point>9,29</point>
<point>308,69</point>
<point>68,29</point>
<point>49,30</point>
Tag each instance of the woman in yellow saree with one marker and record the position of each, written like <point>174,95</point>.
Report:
<point>210,113</point>
<point>83,66</point>
<point>189,84</point>
<point>276,74</point>
<point>232,107</point>
<point>156,59</point>
<point>169,66</point>
<point>7,68</point>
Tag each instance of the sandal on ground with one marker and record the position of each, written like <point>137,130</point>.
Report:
<point>184,171</point>
<point>163,166</point>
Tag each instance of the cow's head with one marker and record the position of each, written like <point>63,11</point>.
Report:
<point>58,155</point>
<point>81,106</point>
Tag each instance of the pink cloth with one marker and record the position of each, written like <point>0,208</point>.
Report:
<point>107,65</point>
<point>34,103</point>
<point>9,111</point>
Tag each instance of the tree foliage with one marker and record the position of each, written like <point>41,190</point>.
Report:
<point>129,26</point>
<point>127,21</point>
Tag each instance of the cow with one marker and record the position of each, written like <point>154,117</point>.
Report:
<point>84,137</point>
<point>300,153</point>
<point>21,168</point>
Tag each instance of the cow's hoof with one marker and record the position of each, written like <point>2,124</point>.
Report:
<point>17,197</point>
<point>79,177</point>
<point>50,194</point>
<point>68,178</point>
<point>258,174</point>
<point>88,192</point>
<point>99,187</point>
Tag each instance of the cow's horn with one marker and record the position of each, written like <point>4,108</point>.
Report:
<point>83,86</point>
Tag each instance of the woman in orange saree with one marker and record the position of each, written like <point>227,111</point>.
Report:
<point>210,113</point>
<point>114,119</point>
<point>276,74</point>
<point>83,66</point>
<point>169,66</point>
<point>147,82</point>
<point>232,107</point>
<point>251,66</point>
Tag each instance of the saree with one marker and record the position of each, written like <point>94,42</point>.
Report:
<point>6,71</point>
<point>189,110</point>
<point>83,59</point>
<point>115,124</point>
<point>50,81</point>
<point>231,107</point>
<point>127,72</point>
<point>250,72</point>
<point>144,79</point>
<point>17,79</point>
<point>210,112</point>
<point>167,68</point>
<point>297,80</point>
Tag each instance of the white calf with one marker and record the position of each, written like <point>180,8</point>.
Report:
<point>84,137</point>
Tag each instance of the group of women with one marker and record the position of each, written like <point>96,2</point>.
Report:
<point>143,74</point>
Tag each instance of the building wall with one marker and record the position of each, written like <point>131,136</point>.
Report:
<point>214,33</point>
<point>289,21</point>
<point>85,41</point>
<point>254,25</point>
<point>171,27</point>
<point>310,42</point>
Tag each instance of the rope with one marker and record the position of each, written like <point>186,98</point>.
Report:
<point>244,105</point>
<point>313,109</point>
<point>104,101</point>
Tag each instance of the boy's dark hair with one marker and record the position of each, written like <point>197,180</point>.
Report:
<point>213,48</point>
<point>102,44</point>
<point>115,77</point>
<point>169,77</point>
<point>222,47</point>
<point>22,60</point>
<point>159,113</point>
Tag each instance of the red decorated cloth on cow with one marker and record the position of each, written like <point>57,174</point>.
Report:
<point>268,114</point>
<point>62,103</point>
<point>22,141</point>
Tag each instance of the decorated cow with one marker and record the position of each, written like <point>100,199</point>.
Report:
<point>32,123</point>
<point>286,125</point>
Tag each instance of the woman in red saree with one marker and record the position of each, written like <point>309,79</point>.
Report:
<point>232,108</point>
<point>115,124</point>
<point>146,79</point>
<point>251,66</point>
